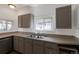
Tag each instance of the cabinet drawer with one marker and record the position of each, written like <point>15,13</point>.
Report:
<point>37,42</point>
<point>51,45</point>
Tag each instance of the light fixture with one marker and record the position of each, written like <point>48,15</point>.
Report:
<point>11,6</point>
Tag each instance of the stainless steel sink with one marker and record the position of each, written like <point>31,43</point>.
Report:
<point>35,36</point>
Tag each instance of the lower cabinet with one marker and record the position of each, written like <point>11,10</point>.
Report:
<point>51,51</point>
<point>51,48</point>
<point>16,43</point>
<point>38,47</point>
<point>31,46</point>
<point>28,46</point>
<point>41,47</point>
<point>5,45</point>
<point>19,44</point>
<point>23,45</point>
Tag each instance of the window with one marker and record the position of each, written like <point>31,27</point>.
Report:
<point>9,25</point>
<point>43,24</point>
<point>5,25</point>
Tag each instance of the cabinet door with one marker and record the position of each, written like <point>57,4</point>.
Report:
<point>5,45</point>
<point>63,17</point>
<point>28,46</point>
<point>38,47</point>
<point>51,48</point>
<point>16,42</point>
<point>19,44</point>
<point>26,20</point>
<point>51,51</point>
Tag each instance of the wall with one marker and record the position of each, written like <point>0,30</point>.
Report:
<point>76,14</point>
<point>25,10</point>
<point>48,10</point>
<point>43,11</point>
<point>7,13</point>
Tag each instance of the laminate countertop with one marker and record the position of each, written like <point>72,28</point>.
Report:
<point>58,40</point>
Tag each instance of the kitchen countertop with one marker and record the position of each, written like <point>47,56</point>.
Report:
<point>58,40</point>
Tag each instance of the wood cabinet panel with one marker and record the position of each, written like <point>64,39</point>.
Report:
<point>51,48</point>
<point>63,17</point>
<point>31,46</point>
<point>16,42</point>
<point>24,21</point>
<point>37,42</point>
<point>51,51</point>
<point>28,46</point>
<point>19,44</point>
<point>38,49</point>
<point>5,45</point>
<point>51,45</point>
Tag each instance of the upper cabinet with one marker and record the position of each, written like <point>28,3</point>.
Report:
<point>64,17</point>
<point>24,21</point>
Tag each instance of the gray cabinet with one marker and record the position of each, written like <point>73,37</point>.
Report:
<point>28,46</point>
<point>16,42</point>
<point>19,44</point>
<point>32,46</point>
<point>64,17</point>
<point>50,51</point>
<point>51,48</point>
<point>38,47</point>
<point>24,21</point>
<point>22,45</point>
<point>5,45</point>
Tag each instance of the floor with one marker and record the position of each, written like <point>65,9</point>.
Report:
<point>13,52</point>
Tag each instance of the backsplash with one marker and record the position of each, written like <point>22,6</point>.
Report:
<point>49,35</point>
<point>57,31</point>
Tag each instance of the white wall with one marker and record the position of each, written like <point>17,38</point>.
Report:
<point>43,11</point>
<point>76,14</point>
<point>25,10</point>
<point>48,10</point>
<point>8,14</point>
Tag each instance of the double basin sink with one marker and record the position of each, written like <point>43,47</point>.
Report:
<point>35,36</point>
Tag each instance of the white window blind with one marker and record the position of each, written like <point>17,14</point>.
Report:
<point>43,24</point>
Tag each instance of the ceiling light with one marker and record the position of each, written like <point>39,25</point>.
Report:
<point>11,6</point>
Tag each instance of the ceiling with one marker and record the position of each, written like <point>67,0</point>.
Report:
<point>37,9</point>
<point>20,6</point>
<point>24,6</point>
